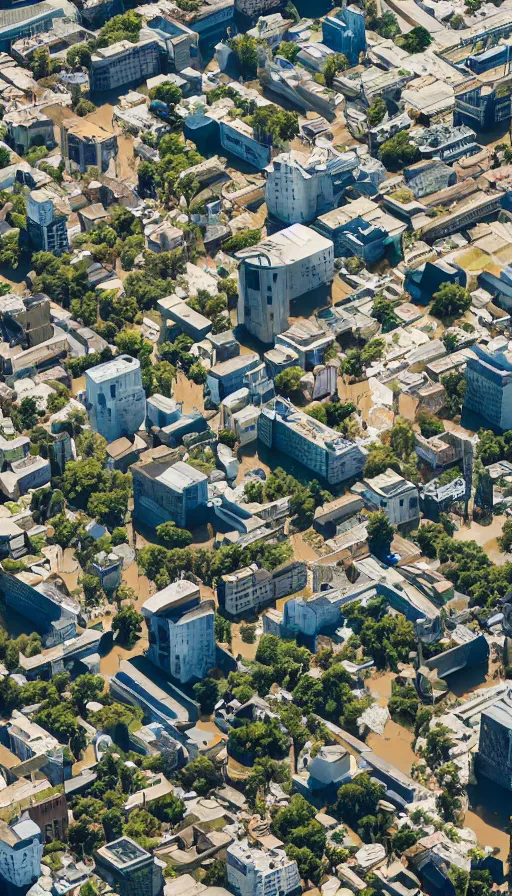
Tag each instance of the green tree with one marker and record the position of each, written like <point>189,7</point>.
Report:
<point>172,536</point>
<point>416,40</point>
<point>376,112</point>
<point>127,624</point>
<point>168,809</point>
<point>86,688</point>
<point>289,50</point>
<point>380,534</point>
<point>245,49</point>
<point>429,424</point>
<point>379,459</point>
<point>222,629</point>
<point>336,62</point>
<point>287,382</point>
<point>397,152</point>
<point>450,300</point>
<point>243,239</point>
<point>200,775</point>
<point>206,692</point>
<point>401,438</point>
<point>216,874</point>
<point>112,822</point>
<point>383,311</point>
<point>167,92</point>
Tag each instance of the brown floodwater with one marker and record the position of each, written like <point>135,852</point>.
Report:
<point>488,815</point>
<point>395,745</point>
<point>189,393</point>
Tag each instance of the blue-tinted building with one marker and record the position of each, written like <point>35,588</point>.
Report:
<point>345,33</point>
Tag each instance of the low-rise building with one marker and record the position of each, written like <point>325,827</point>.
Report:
<point>165,492</point>
<point>391,493</point>
<point>181,631</point>
<point>253,872</point>
<point>308,341</point>
<point>362,228</point>
<point>227,377</point>
<point>238,137</point>
<point>84,144</point>
<point>124,64</point>
<point>248,590</point>
<point>27,127</point>
<point>320,448</point>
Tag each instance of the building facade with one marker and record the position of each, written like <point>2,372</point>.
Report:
<point>21,850</point>
<point>115,399</point>
<point>168,492</point>
<point>495,745</point>
<point>250,589</point>
<point>181,631</point>
<point>252,872</point>
<point>489,387</point>
<point>129,868</point>
<point>391,493</point>
<point>301,187</point>
<point>280,268</point>
<point>123,64</point>
<point>318,447</point>
<point>84,144</point>
<point>46,229</point>
<point>51,816</point>
<point>345,33</point>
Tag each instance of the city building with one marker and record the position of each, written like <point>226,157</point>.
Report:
<point>51,612</point>
<point>164,492</point>
<point>362,228</point>
<point>489,387</point>
<point>25,21</point>
<point>318,447</point>
<point>182,43</point>
<point>84,144</point>
<point>115,398</point>
<point>302,186</point>
<point>181,631</point>
<point>129,868</point>
<point>393,494</point>
<point>275,271</point>
<point>345,32</point>
<point>46,229</point>
<point>229,376</point>
<point>254,8</point>
<point>25,321</point>
<point>27,127</point>
<point>494,759</point>
<point>21,850</point>
<point>124,64</point>
<point>308,341</point>
<point>446,143</point>
<point>28,473</point>
<point>238,137</point>
<point>250,589</point>
<point>51,815</point>
<point>253,872</point>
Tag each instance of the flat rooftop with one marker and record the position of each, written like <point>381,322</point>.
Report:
<point>286,247</point>
<point>180,476</point>
<point>123,852</point>
<point>111,369</point>
<point>171,597</point>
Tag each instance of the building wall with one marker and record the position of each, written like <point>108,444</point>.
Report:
<point>52,817</point>
<point>254,8</point>
<point>21,865</point>
<point>116,406</point>
<point>345,33</point>
<point>495,752</point>
<point>296,196</point>
<point>247,880</point>
<point>244,146</point>
<point>184,649</point>
<point>491,398</point>
<point>37,607</point>
<point>131,66</point>
<point>266,292</point>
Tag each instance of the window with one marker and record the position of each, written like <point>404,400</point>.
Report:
<point>252,278</point>
<point>274,278</point>
<point>401,502</point>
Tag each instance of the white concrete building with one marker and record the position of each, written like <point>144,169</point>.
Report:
<point>21,849</point>
<point>249,589</point>
<point>393,494</point>
<point>252,872</point>
<point>115,399</point>
<point>280,268</point>
<point>181,631</point>
<point>238,138</point>
<point>124,63</point>
<point>302,186</point>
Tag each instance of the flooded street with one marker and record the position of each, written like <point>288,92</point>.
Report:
<point>189,393</point>
<point>486,537</point>
<point>396,744</point>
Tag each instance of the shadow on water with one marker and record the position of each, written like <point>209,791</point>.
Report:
<point>489,814</point>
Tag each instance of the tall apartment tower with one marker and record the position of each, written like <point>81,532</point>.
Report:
<point>489,387</point>
<point>115,399</point>
<point>181,631</point>
<point>46,229</point>
<point>280,268</point>
<point>345,33</point>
